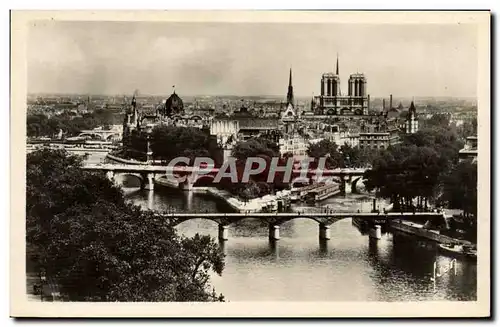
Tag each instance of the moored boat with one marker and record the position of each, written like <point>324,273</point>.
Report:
<point>459,250</point>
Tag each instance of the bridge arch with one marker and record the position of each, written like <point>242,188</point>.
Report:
<point>177,118</point>
<point>195,117</point>
<point>92,135</point>
<point>354,183</point>
<point>178,221</point>
<point>303,216</point>
<point>112,137</point>
<point>124,175</point>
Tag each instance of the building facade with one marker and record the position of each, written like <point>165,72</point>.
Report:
<point>411,124</point>
<point>469,152</point>
<point>332,102</point>
<point>378,140</point>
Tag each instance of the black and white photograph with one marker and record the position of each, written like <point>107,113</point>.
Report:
<point>335,163</point>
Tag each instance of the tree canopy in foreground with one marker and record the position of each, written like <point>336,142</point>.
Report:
<point>99,248</point>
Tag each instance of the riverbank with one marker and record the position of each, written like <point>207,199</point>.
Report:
<point>265,203</point>
<point>125,161</point>
<point>419,230</point>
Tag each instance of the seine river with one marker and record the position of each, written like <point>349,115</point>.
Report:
<point>349,267</point>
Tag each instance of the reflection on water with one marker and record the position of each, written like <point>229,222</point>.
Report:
<point>298,267</point>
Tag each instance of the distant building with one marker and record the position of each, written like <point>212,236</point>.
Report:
<point>378,140</point>
<point>296,145</point>
<point>331,102</point>
<point>411,124</point>
<point>170,112</point>
<point>243,125</point>
<point>173,106</point>
<point>470,149</point>
<point>289,115</point>
<point>226,130</point>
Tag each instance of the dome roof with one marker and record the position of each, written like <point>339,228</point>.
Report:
<point>173,106</point>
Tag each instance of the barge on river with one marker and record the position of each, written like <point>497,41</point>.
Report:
<point>323,192</point>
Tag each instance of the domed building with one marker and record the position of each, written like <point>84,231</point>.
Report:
<point>173,106</point>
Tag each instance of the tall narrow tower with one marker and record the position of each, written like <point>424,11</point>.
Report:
<point>411,120</point>
<point>289,96</point>
<point>337,67</point>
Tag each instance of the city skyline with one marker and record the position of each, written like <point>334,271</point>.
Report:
<point>206,59</point>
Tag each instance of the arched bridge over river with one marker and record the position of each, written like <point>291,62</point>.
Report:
<point>148,173</point>
<point>274,220</point>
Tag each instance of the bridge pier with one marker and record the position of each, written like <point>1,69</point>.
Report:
<point>274,232</point>
<point>187,184</point>
<point>375,232</point>
<point>324,232</point>
<point>110,175</point>
<point>149,182</point>
<point>223,232</point>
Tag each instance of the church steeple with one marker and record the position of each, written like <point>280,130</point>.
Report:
<point>337,67</point>
<point>134,102</point>
<point>289,96</point>
<point>411,119</point>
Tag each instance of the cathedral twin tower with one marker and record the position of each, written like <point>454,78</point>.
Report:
<point>331,102</point>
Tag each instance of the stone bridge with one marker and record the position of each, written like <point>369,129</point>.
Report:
<point>104,135</point>
<point>148,173</point>
<point>274,220</point>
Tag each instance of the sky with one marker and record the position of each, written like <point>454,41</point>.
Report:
<point>249,58</point>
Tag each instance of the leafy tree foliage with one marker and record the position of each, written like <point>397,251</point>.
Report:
<point>439,120</point>
<point>356,157</point>
<point>445,141</point>
<point>255,147</point>
<point>168,142</point>
<point>468,128</point>
<point>99,248</point>
<point>416,168</point>
<point>403,173</point>
<point>460,188</point>
<point>265,148</point>
<point>328,149</point>
<point>39,125</point>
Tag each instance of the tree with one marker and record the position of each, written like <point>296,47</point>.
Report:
<point>403,173</point>
<point>444,140</point>
<point>249,191</point>
<point>255,147</point>
<point>168,142</point>
<point>40,125</point>
<point>100,248</point>
<point>468,128</point>
<point>357,157</point>
<point>460,188</point>
<point>329,150</point>
<point>438,120</point>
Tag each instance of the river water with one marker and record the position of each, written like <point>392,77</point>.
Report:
<point>298,267</point>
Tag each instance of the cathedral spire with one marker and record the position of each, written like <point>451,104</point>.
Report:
<point>337,67</point>
<point>289,96</point>
<point>412,108</point>
<point>134,102</point>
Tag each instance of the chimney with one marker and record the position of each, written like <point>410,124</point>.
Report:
<point>390,102</point>
<point>383,104</point>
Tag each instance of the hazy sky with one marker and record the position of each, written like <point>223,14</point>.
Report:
<point>249,59</point>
